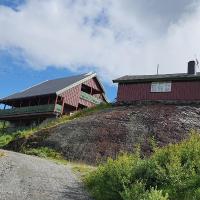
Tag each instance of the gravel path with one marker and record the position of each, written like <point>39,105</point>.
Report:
<point>25,177</point>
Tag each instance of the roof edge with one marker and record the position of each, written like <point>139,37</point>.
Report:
<point>157,79</point>
<point>89,76</point>
<point>76,83</point>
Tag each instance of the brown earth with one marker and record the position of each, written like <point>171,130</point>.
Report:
<point>104,134</point>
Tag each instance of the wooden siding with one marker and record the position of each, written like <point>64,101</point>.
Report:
<point>93,84</point>
<point>86,103</point>
<point>185,91</point>
<point>72,96</point>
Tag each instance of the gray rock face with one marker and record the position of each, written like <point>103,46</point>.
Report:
<point>25,177</point>
<point>120,129</point>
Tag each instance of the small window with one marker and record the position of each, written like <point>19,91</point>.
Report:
<point>161,87</point>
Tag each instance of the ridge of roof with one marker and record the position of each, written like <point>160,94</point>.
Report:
<point>87,77</point>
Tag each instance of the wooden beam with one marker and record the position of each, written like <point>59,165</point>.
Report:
<point>55,103</point>
<point>63,105</point>
<point>91,91</point>
<point>49,100</point>
<point>39,101</point>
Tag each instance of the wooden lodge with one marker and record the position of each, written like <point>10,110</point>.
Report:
<point>181,87</point>
<point>53,98</point>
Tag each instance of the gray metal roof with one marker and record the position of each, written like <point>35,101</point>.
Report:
<point>51,87</point>
<point>160,77</point>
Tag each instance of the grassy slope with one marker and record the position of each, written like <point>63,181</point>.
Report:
<point>6,137</point>
<point>82,170</point>
<point>46,152</point>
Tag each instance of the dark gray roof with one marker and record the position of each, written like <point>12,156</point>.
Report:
<point>48,87</point>
<point>160,77</point>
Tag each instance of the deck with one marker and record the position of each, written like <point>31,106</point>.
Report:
<point>31,110</point>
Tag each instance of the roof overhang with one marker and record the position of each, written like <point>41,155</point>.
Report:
<point>2,101</point>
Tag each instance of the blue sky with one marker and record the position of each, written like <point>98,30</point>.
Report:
<point>16,74</point>
<point>46,39</point>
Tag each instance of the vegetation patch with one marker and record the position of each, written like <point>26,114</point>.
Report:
<point>45,152</point>
<point>82,169</point>
<point>172,172</point>
<point>2,154</point>
<point>5,139</point>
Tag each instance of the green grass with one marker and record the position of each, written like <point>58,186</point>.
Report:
<point>3,127</point>
<point>6,137</point>
<point>47,153</point>
<point>82,169</point>
<point>172,172</point>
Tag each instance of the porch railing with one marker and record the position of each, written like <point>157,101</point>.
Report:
<point>31,110</point>
<point>90,98</point>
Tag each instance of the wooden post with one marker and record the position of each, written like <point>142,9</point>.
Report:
<point>39,101</point>
<point>91,91</point>
<point>63,105</point>
<point>4,122</point>
<point>55,103</point>
<point>48,100</point>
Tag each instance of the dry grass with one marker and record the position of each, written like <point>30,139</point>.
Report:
<point>82,169</point>
<point>2,154</point>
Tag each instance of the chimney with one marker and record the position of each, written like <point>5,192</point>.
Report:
<point>192,67</point>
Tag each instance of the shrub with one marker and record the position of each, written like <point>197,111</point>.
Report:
<point>45,152</point>
<point>156,195</point>
<point>109,181</point>
<point>5,139</point>
<point>172,172</point>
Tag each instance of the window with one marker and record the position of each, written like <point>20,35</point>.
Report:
<point>161,87</point>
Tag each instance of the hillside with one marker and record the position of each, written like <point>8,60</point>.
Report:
<point>110,131</point>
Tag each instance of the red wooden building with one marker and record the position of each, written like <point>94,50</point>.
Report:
<point>183,87</point>
<point>53,98</point>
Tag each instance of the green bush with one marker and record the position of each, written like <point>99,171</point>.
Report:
<point>5,139</point>
<point>45,152</point>
<point>172,173</point>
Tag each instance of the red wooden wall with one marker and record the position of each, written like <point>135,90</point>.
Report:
<point>93,84</point>
<point>185,91</point>
<point>72,96</point>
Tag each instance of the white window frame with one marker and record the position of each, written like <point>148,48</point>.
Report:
<point>161,87</point>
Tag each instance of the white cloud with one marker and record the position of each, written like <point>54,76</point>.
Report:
<point>114,37</point>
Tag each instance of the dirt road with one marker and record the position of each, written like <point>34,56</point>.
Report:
<point>25,177</point>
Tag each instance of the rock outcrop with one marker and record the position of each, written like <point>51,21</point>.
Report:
<point>106,133</point>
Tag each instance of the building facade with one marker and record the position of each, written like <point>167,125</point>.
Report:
<point>53,98</point>
<point>183,87</point>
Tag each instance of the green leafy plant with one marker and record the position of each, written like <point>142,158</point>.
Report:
<point>45,152</point>
<point>172,172</point>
